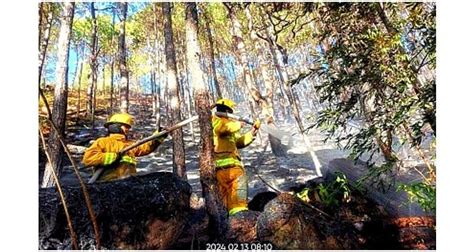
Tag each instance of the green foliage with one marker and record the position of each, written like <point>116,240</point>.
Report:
<point>49,8</point>
<point>46,9</point>
<point>298,27</point>
<point>335,192</point>
<point>178,15</point>
<point>220,24</point>
<point>367,73</point>
<point>136,33</point>
<point>326,196</point>
<point>422,193</point>
<point>107,30</point>
<point>138,64</point>
<point>81,30</point>
<point>82,33</point>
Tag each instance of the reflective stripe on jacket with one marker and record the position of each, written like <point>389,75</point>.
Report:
<point>228,162</point>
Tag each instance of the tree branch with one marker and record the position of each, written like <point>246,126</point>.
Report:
<point>264,38</point>
<point>72,233</point>
<point>228,6</point>
<point>421,64</point>
<point>76,171</point>
<point>280,20</point>
<point>301,27</point>
<point>416,54</point>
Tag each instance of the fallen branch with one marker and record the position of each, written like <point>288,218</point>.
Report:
<point>76,171</point>
<point>61,194</point>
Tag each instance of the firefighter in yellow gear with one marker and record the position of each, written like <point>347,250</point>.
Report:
<point>230,172</point>
<point>104,151</point>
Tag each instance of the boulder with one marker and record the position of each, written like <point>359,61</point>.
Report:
<point>140,212</point>
<point>289,223</point>
<point>243,227</point>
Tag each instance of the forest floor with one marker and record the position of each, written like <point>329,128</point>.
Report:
<point>265,171</point>
<point>263,168</point>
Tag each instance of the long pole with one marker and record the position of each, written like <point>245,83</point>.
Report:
<point>152,137</point>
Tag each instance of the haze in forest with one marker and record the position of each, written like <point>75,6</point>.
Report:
<point>346,93</point>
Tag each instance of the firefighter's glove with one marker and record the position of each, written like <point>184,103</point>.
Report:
<point>110,158</point>
<point>161,138</point>
<point>255,127</point>
<point>163,129</point>
<point>257,124</point>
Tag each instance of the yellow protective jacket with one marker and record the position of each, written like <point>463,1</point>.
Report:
<point>104,151</point>
<point>227,140</point>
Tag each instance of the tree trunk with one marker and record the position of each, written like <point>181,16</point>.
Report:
<point>144,212</point>
<point>190,108</point>
<point>91,91</point>
<point>265,103</point>
<point>102,93</point>
<point>186,89</point>
<point>283,75</point>
<point>160,72</point>
<point>385,147</point>
<point>151,53</point>
<point>112,63</point>
<point>152,88</point>
<point>159,66</point>
<point>211,55</point>
<point>60,95</point>
<point>158,106</point>
<point>153,91</point>
<point>166,98</point>
<point>281,70</point>
<point>78,106</point>
<point>179,167</point>
<point>44,40</point>
<point>111,108</point>
<point>252,89</point>
<point>124,82</point>
<point>241,54</point>
<point>181,64</point>
<point>223,86</point>
<point>214,205</point>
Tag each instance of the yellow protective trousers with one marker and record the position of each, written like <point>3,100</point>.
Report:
<point>232,185</point>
